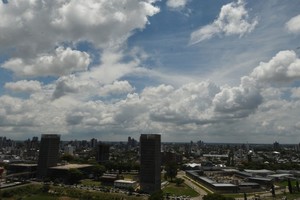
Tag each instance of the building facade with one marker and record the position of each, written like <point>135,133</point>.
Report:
<point>102,153</point>
<point>150,159</point>
<point>48,154</point>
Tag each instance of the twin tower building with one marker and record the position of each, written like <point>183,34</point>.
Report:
<point>150,159</point>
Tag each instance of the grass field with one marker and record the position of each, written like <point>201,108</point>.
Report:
<point>89,182</point>
<point>35,192</point>
<point>180,190</point>
<point>39,197</point>
<point>285,183</point>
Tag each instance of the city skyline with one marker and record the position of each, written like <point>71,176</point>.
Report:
<point>220,71</point>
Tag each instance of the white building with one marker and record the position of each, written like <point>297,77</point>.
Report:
<point>69,150</point>
<point>126,184</point>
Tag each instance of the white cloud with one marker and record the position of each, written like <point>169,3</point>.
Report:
<point>232,20</point>
<point>101,100</point>
<point>237,102</point>
<point>62,62</point>
<point>85,89</point>
<point>295,93</point>
<point>100,80</point>
<point>116,88</point>
<point>112,67</point>
<point>42,25</point>
<point>283,67</point>
<point>66,85</point>
<point>176,3</point>
<point>24,86</point>
<point>293,25</point>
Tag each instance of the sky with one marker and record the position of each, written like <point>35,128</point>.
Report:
<point>216,71</point>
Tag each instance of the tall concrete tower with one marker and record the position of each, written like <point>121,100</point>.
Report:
<point>48,154</point>
<point>150,162</point>
<point>102,153</point>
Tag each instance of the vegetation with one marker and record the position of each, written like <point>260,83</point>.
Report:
<point>89,182</point>
<point>98,171</point>
<point>74,176</point>
<point>183,189</point>
<point>159,195</point>
<point>273,166</point>
<point>171,170</point>
<point>37,192</point>
<point>216,196</point>
<point>67,157</point>
<point>179,181</point>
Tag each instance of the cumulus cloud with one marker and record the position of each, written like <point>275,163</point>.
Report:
<point>283,67</point>
<point>65,85</point>
<point>190,103</point>
<point>176,3</point>
<point>39,26</point>
<point>293,25</point>
<point>62,62</point>
<point>232,20</point>
<point>116,88</point>
<point>237,102</point>
<point>85,99</point>
<point>295,93</point>
<point>24,86</point>
<point>85,89</point>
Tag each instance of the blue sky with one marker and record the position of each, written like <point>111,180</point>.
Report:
<point>217,71</point>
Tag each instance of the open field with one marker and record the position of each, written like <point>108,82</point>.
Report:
<point>180,190</point>
<point>37,192</point>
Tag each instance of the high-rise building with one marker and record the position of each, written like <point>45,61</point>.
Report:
<point>93,142</point>
<point>69,150</point>
<point>150,162</point>
<point>102,153</point>
<point>48,154</point>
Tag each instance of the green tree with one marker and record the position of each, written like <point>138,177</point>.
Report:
<point>290,186</point>
<point>171,170</point>
<point>179,181</point>
<point>158,195</point>
<point>74,176</point>
<point>46,188</point>
<point>67,157</point>
<point>98,171</point>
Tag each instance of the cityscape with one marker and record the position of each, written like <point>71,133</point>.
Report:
<point>149,99</point>
<point>147,168</point>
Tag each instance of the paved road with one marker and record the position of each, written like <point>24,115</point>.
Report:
<point>195,187</point>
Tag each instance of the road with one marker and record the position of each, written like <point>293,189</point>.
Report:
<point>195,187</point>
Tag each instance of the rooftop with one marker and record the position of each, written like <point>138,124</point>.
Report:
<point>71,166</point>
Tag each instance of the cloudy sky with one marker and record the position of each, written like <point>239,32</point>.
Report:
<point>217,71</point>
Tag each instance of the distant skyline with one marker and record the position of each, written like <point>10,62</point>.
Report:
<point>216,71</point>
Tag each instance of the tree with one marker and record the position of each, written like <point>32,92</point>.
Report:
<point>45,188</point>
<point>98,171</point>
<point>273,190</point>
<point>74,176</point>
<point>179,181</point>
<point>67,157</point>
<point>171,170</point>
<point>158,195</point>
<point>290,186</point>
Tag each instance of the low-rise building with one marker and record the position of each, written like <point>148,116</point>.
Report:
<point>125,184</point>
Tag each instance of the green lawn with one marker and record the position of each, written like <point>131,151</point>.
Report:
<point>129,176</point>
<point>34,192</point>
<point>180,190</point>
<point>39,197</point>
<point>285,183</point>
<point>89,182</point>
